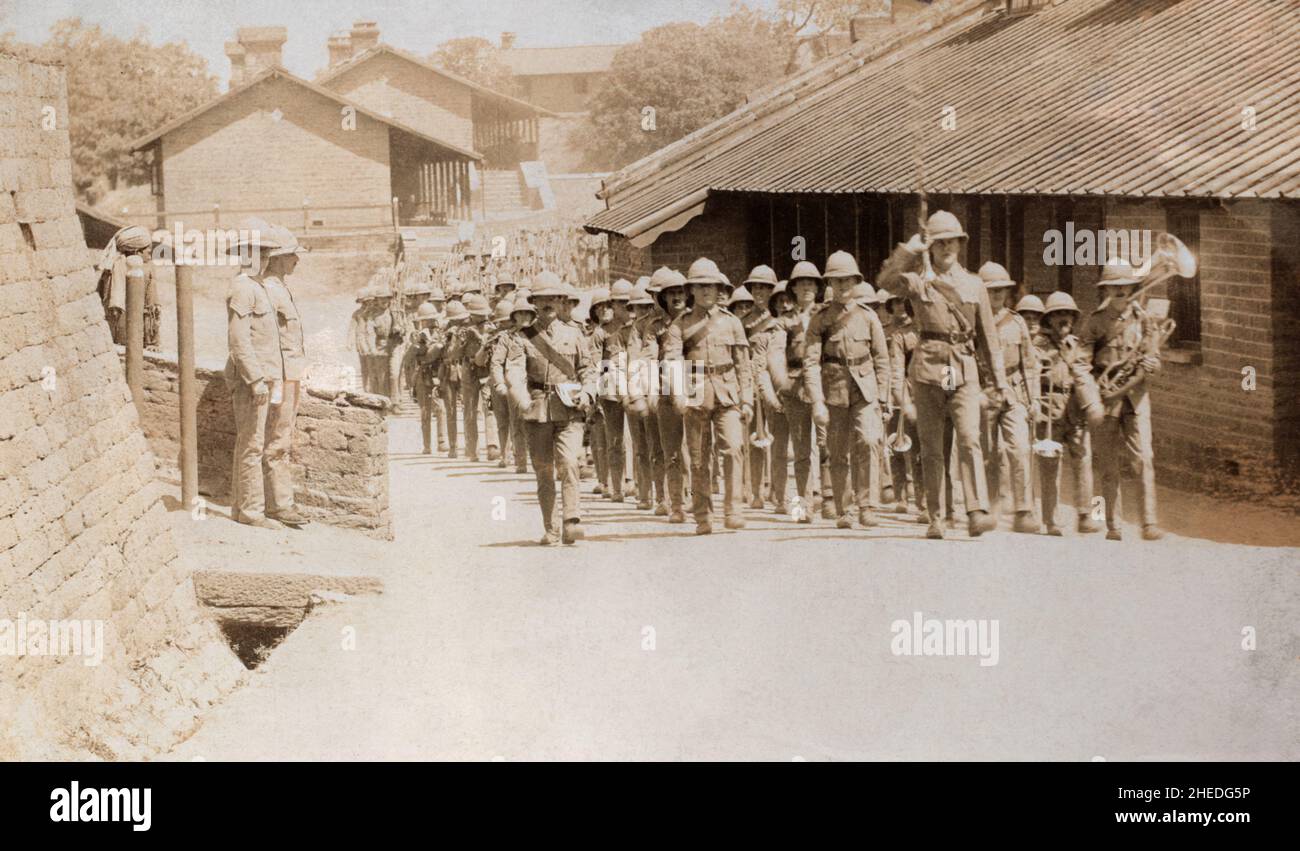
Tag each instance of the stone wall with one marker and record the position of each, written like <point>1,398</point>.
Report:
<point>83,533</point>
<point>340,452</point>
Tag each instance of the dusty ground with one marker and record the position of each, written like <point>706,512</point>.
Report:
<point>772,643</point>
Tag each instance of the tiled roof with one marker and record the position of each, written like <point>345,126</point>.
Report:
<point>1084,97</point>
<point>279,72</point>
<point>578,59</point>
<point>505,100</point>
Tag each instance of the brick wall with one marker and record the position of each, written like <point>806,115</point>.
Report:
<point>411,95</point>
<point>340,451</point>
<point>719,234</point>
<point>239,156</point>
<point>83,534</point>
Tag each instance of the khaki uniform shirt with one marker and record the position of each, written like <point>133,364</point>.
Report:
<point>951,362</point>
<point>844,348</point>
<point>252,333</point>
<point>539,358</point>
<point>1110,337</point>
<point>291,342</point>
<point>1018,356</point>
<point>714,344</point>
<point>789,336</point>
<point>902,345</point>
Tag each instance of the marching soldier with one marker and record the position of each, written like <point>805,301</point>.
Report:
<point>760,328</point>
<point>450,371</point>
<point>846,376</point>
<point>1065,371</point>
<point>428,347</point>
<point>521,315</point>
<point>502,325</point>
<point>599,312</point>
<point>711,344</point>
<point>551,378</point>
<point>1005,427</point>
<point>904,466</point>
<point>741,305</point>
<point>795,427</point>
<point>1030,309</point>
<point>782,307</point>
<point>642,400</point>
<point>1114,333</point>
<point>954,321</point>
<point>472,352</point>
<point>671,296</point>
<point>265,369</point>
<point>610,348</point>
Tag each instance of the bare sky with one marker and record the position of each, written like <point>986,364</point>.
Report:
<point>414,25</point>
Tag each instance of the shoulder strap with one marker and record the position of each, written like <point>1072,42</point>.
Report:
<point>547,351</point>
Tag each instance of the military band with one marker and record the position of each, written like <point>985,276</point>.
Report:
<point>881,386</point>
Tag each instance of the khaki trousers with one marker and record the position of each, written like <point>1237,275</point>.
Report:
<point>854,432</point>
<point>935,406</point>
<point>1008,431</point>
<point>261,476</point>
<point>1124,448</point>
<point>556,447</point>
<point>728,432</point>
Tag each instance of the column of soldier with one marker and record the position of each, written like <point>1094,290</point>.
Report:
<point>822,369</point>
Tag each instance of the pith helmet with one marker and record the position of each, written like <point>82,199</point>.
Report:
<point>943,225</point>
<point>641,293</point>
<point>884,296</point>
<point>426,311</point>
<point>502,311</point>
<point>664,278</point>
<point>436,294</point>
<point>548,284</point>
<point>995,275</point>
<point>1118,274</point>
<point>571,291</point>
<point>506,283</point>
<point>805,269</point>
<point>782,289</point>
<point>1061,301</point>
<point>522,305</point>
<point>704,271</point>
<point>1030,304</point>
<point>621,290</point>
<point>599,296</point>
<point>761,276</point>
<point>841,265</point>
<point>524,293</point>
<point>740,296</point>
<point>864,294</point>
<point>477,305</point>
<point>456,312</point>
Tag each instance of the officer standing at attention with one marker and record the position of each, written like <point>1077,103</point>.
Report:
<point>1005,427</point>
<point>954,321</point>
<point>1115,332</point>
<point>264,370</point>
<point>550,377</point>
<point>846,375</point>
<point>719,391</point>
<point>806,287</point>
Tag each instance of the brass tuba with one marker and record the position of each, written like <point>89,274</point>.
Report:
<point>1170,259</point>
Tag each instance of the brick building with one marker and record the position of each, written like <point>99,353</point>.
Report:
<point>1091,115</point>
<point>560,79</point>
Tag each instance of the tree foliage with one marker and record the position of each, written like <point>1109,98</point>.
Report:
<point>120,90</point>
<point>477,60</point>
<point>688,74</point>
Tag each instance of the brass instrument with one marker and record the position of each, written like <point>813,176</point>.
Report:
<point>899,442</point>
<point>1170,259</point>
<point>1054,405</point>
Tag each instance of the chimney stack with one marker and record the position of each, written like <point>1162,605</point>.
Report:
<point>340,47</point>
<point>507,40</point>
<point>365,35</point>
<point>874,19</point>
<point>254,50</point>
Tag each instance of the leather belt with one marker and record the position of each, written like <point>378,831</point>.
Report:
<point>956,338</point>
<point>845,361</point>
<point>541,385</point>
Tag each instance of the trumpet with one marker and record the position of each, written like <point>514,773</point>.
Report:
<point>1046,447</point>
<point>898,442</point>
<point>1170,259</point>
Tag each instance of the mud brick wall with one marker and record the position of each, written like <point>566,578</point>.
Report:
<point>340,452</point>
<point>83,534</point>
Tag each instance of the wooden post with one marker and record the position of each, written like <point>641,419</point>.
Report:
<point>188,385</point>
<point>135,287</point>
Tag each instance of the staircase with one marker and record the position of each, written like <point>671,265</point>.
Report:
<point>427,244</point>
<point>504,192</point>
